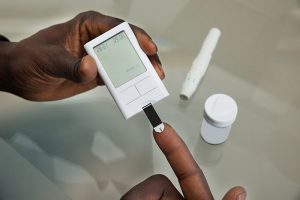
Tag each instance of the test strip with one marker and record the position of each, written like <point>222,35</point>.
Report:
<point>153,117</point>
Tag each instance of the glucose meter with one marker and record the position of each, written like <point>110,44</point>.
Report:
<point>126,70</point>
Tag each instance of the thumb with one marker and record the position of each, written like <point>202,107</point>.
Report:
<point>236,193</point>
<point>82,70</point>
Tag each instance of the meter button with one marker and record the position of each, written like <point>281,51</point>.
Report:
<point>145,85</point>
<point>129,95</point>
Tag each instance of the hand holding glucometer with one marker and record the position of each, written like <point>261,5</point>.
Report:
<point>128,73</point>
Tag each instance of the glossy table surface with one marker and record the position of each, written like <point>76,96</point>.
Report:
<point>82,148</point>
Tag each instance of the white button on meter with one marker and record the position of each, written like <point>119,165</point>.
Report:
<point>129,95</point>
<point>145,86</point>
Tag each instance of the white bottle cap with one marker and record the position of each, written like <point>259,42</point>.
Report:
<point>220,112</point>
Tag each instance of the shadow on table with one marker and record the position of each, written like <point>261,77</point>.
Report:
<point>84,148</point>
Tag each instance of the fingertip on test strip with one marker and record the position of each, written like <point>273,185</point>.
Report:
<point>154,119</point>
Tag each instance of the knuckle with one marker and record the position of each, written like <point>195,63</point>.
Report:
<point>162,76</point>
<point>160,178</point>
<point>87,15</point>
<point>185,175</point>
<point>118,20</point>
<point>76,71</point>
<point>174,150</point>
<point>114,21</point>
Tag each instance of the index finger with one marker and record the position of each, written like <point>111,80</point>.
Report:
<point>150,48</point>
<point>191,178</point>
<point>145,41</point>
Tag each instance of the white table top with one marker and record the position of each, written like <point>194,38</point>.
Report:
<point>88,151</point>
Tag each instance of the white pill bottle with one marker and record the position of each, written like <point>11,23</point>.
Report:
<point>220,112</point>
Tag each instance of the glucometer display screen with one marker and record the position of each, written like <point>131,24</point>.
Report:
<point>119,59</point>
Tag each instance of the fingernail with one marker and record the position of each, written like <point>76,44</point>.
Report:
<point>154,45</point>
<point>160,67</point>
<point>241,196</point>
<point>161,71</point>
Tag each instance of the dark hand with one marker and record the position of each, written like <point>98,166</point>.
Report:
<point>52,64</point>
<point>189,174</point>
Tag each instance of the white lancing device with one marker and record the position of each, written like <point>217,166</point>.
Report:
<point>200,64</point>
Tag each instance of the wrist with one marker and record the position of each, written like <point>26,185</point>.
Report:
<point>5,65</point>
